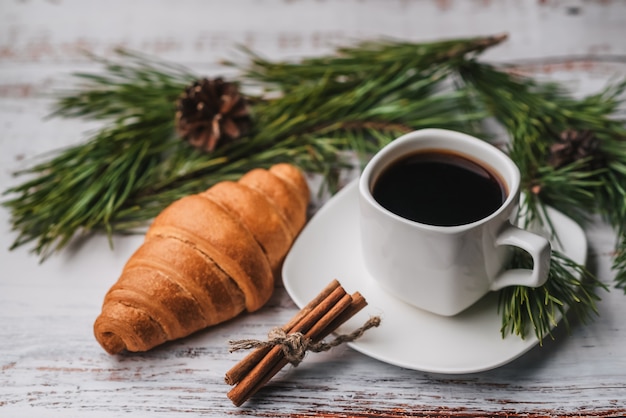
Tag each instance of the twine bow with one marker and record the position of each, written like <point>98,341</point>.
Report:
<point>295,345</point>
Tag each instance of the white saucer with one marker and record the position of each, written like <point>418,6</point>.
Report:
<point>469,342</point>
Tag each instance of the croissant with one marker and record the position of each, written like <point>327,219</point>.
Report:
<point>205,259</point>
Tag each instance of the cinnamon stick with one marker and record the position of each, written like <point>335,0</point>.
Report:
<point>358,302</point>
<point>329,317</point>
<point>334,284</point>
<point>242,368</point>
<point>275,360</point>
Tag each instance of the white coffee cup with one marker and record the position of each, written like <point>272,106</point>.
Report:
<point>446,269</point>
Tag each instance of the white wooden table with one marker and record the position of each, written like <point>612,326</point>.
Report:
<point>50,364</point>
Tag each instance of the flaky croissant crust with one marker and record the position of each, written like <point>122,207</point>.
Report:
<point>205,259</point>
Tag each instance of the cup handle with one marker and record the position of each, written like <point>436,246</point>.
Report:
<point>539,249</point>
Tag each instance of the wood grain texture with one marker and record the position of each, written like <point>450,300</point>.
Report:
<point>50,363</point>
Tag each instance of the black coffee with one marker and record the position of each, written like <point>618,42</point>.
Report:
<point>439,187</point>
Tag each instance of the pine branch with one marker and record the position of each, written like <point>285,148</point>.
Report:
<point>352,65</point>
<point>134,85</point>
<point>130,170</point>
<point>535,115</point>
<point>619,262</point>
<point>84,186</point>
<point>570,288</point>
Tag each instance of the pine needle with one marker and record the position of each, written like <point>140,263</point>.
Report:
<point>310,113</point>
<point>534,114</point>
<point>571,289</point>
<point>130,170</point>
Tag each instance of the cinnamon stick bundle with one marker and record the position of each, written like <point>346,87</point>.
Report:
<point>319,318</point>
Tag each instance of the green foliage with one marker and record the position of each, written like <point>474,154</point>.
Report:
<point>356,64</point>
<point>619,263</point>
<point>570,287</point>
<point>309,113</point>
<point>535,114</point>
<point>135,166</point>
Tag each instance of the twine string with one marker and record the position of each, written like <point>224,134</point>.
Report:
<point>295,345</point>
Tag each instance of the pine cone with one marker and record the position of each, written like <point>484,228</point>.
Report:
<point>211,110</point>
<point>575,145</point>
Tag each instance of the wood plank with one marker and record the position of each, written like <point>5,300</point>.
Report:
<point>50,364</point>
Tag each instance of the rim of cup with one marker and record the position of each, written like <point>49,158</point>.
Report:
<point>434,139</point>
